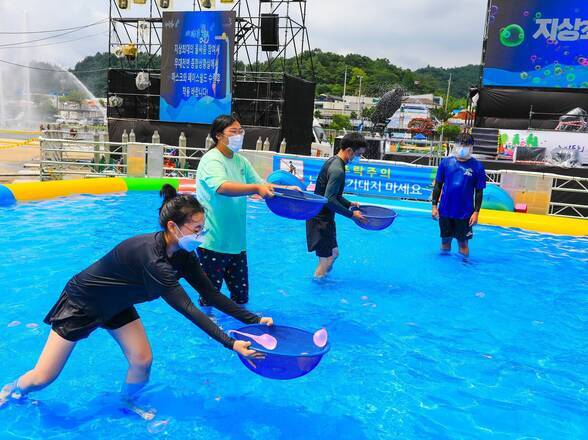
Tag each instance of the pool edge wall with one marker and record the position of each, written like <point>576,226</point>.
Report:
<point>30,191</point>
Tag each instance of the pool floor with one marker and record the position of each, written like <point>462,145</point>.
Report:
<point>424,345</point>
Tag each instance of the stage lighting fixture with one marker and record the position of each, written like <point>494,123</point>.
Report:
<point>115,101</point>
<point>139,2</point>
<point>118,52</point>
<point>142,80</point>
<point>164,4</point>
<point>123,4</point>
<point>130,51</point>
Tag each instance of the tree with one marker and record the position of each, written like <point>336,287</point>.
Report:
<point>354,80</point>
<point>457,103</point>
<point>340,122</point>
<point>422,126</point>
<point>450,132</point>
<point>441,114</point>
<point>317,114</point>
<point>378,75</point>
<point>367,112</point>
<point>46,109</point>
<point>353,115</point>
<point>73,96</point>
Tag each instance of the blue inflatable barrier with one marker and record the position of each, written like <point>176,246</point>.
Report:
<point>497,199</point>
<point>6,197</point>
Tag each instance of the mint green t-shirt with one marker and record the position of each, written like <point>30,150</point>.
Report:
<point>225,216</point>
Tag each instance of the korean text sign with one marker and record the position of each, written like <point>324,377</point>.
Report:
<point>537,43</point>
<point>366,178</point>
<point>196,65</point>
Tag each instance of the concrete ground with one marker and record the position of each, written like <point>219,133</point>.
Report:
<point>19,156</point>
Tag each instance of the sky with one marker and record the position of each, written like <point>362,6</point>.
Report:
<point>410,33</point>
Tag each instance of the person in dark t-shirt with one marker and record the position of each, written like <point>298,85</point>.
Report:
<point>321,233</point>
<point>140,269</point>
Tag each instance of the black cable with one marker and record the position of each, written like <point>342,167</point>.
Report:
<point>52,70</point>
<point>56,43</point>
<point>54,30</point>
<point>52,36</point>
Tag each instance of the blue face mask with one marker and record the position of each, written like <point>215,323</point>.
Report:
<point>236,142</point>
<point>190,242</point>
<point>462,152</point>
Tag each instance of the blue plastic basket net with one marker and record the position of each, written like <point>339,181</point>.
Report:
<point>297,205</point>
<point>294,356</point>
<point>378,217</point>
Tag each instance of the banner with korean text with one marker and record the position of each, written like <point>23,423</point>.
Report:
<point>196,65</point>
<point>367,178</point>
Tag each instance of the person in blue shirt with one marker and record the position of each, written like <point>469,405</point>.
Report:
<point>460,184</point>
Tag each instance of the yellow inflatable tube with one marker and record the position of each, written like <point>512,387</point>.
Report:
<point>63,188</point>
<point>535,222</point>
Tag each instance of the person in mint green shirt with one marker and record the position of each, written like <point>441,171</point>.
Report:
<point>223,178</point>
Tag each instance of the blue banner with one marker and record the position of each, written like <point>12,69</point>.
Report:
<point>196,65</point>
<point>366,178</point>
<point>537,43</point>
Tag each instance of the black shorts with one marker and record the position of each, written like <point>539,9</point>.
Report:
<point>456,228</point>
<point>72,323</point>
<point>230,268</point>
<point>321,236</point>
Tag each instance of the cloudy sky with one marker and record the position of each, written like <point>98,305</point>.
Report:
<point>410,33</point>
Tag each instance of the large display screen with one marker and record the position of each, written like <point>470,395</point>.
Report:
<point>537,43</point>
<point>196,65</point>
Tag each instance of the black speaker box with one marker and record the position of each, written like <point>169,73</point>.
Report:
<point>270,37</point>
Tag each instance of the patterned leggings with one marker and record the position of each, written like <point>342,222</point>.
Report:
<point>232,268</point>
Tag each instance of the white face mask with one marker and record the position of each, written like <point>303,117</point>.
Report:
<point>236,142</point>
<point>190,242</point>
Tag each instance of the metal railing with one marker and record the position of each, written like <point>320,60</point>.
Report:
<point>63,158</point>
<point>559,184</point>
<point>569,184</point>
<point>557,121</point>
<point>66,158</point>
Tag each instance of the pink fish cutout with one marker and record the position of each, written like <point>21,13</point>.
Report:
<point>320,338</point>
<point>265,340</point>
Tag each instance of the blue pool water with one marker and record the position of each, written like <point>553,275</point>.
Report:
<point>424,346</point>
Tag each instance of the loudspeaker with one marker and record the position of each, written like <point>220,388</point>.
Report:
<point>298,113</point>
<point>270,36</point>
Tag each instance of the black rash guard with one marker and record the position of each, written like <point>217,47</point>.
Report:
<point>139,270</point>
<point>330,183</point>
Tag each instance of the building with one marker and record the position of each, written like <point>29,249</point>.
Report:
<point>329,105</point>
<point>413,106</point>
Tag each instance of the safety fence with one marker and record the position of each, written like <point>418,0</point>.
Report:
<point>541,193</point>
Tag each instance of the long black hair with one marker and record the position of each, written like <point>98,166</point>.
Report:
<point>220,124</point>
<point>177,208</point>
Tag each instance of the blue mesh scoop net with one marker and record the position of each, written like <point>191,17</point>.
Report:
<point>295,354</point>
<point>296,205</point>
